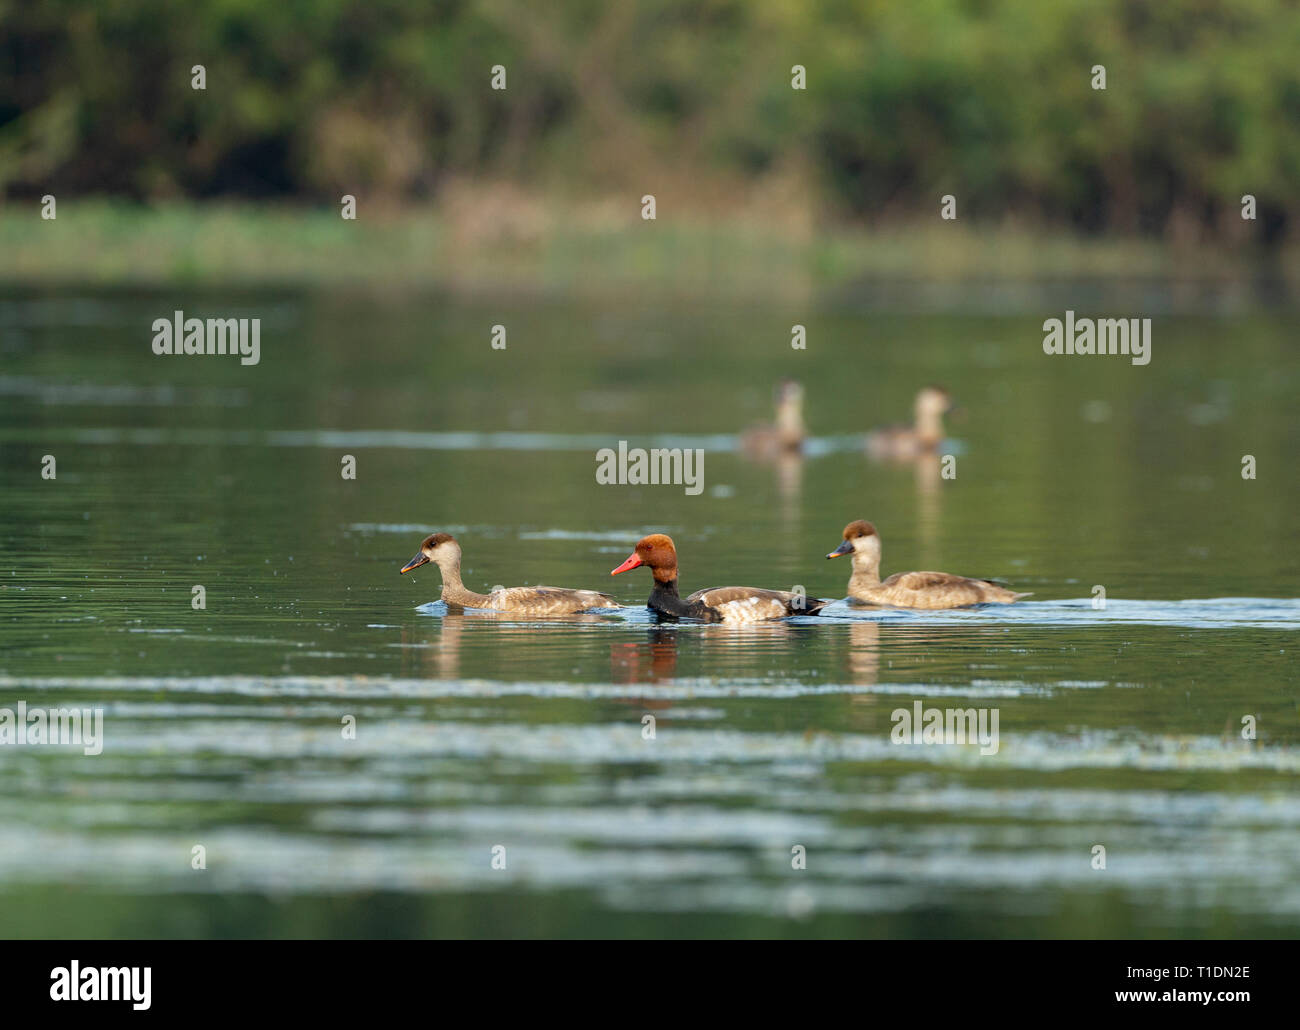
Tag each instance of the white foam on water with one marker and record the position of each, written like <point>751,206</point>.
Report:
<point>361,687</point>
<point>1208,613</point>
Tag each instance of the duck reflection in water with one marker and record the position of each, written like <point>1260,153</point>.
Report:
<point>435,652</point>
<point>781,444</point>
<point>929,481</point>
<point>730,652</point>
<point>653,660</point>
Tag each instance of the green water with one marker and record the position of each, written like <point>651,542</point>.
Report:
<point>1119,727</point>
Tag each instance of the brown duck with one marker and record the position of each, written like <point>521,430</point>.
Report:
<point>903,443</point>
<point>443,551</point>
<point>910,589</point>
<point>784,436</point>
<point>716,604</point>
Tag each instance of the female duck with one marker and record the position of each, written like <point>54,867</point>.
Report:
<point>716,604</point>
<point>443,551</point>
<point>787,434</point>
<point>904,443</point>
<point>910,589</point>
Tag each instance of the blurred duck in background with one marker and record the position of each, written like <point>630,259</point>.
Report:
<point>905,443</point>
<point>784,436</point>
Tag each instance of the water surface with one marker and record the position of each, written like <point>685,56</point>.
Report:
<point>1120,725</point>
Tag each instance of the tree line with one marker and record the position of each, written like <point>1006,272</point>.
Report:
<point>995,102</point>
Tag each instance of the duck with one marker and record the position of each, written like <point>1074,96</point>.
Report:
<point>443,550</point>
<point>784,436</point>
<point>715,604</point>
<point>904,443</point>
<point>931,590</point>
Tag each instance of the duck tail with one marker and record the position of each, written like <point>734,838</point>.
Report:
<point>1017,597</point>
<point>813,605</point>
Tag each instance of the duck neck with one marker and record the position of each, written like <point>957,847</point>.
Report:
<point>665,600</point>
<point>929,426</point>
<point>866,574</point>
<point>453,590</point>
<point>665,584</point>
<point>789,425</point>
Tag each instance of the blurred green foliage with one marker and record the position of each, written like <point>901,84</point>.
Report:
<point>990,100</point>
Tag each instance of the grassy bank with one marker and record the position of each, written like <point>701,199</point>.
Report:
<point>601,249</point>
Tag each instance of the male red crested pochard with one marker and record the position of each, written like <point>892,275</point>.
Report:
<point>443,551</point>
<point>786,435</point>
<point>716,604</point>
<point>902,443</point>
<point>910,589</point>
